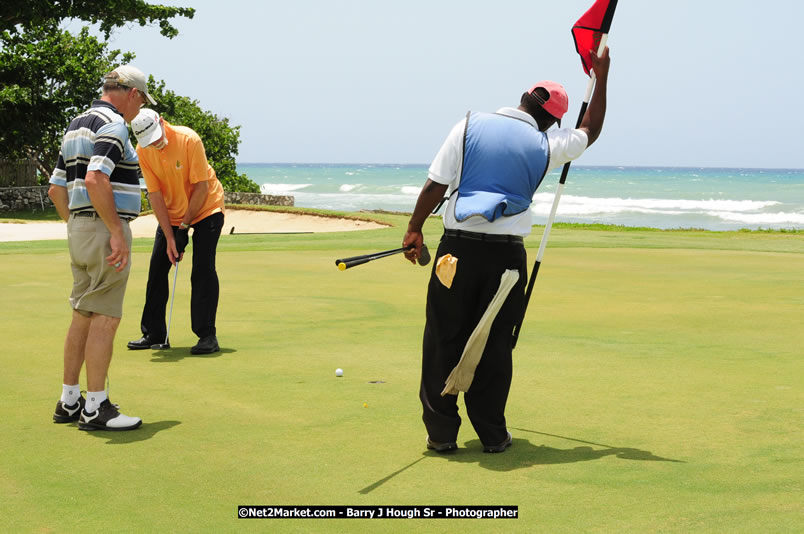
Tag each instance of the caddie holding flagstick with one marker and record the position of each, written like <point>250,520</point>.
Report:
<point>185,193</point>
<point>489,167</point>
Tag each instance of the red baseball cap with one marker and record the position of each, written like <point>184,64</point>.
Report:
<point>557,102</point>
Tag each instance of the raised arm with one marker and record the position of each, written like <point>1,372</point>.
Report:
<point>592,122</point>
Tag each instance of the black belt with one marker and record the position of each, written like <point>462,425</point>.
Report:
<point>489,238</point>
<point>94,214</point>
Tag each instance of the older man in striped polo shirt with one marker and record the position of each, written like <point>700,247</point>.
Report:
<point>95,188</point>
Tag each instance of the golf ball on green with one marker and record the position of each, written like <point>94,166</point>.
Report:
<point>338,372</point>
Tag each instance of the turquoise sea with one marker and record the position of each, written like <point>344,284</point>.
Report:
<point>658,197</point>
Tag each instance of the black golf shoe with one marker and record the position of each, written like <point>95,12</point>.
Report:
<point>501,447</point>
<point>145,342</point>
<point>107,417</point>
<point>206,345</point>
<point>68,414</point>
<point>447,446</point>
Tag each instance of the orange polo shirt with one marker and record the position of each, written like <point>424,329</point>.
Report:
<point>173,170</point>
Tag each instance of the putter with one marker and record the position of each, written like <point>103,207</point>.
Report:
<point>166,345</point>
<point>354,261</point>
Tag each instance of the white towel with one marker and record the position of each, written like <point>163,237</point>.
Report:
<point>461,377</point>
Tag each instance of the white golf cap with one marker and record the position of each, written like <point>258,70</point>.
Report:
<point>130,76</point>
<point>147,128</point>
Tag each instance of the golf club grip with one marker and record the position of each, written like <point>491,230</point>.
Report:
<point>355,262</point>
<point>373,255</point>
<point>352,258</point>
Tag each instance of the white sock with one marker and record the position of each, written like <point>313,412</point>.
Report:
<point>94,399</point>
<point>70,394</point>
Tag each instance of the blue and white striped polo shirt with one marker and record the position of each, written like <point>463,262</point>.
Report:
<point>97,140</point>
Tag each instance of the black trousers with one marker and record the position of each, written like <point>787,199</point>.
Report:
<point>452,315</point>
<point>204,281</point>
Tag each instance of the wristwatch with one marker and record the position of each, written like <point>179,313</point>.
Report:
<point>184,226</point>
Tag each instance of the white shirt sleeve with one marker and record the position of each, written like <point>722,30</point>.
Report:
<point>566,144</point>
<point>446,167</point>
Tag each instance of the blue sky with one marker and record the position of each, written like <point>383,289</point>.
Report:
<point>692,83</point>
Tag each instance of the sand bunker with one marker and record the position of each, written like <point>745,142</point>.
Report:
<point>243,221</point>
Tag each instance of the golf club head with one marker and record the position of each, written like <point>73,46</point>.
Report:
<point>160,346</point>
<point>424,258</point>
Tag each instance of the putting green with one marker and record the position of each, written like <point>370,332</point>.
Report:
<point>658,386</point>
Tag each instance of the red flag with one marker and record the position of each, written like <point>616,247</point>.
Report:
<point>590,27</point>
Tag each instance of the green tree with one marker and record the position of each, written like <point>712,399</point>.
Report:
<point>110,14</point>
<point>221,140</point>
<point>47,76</point>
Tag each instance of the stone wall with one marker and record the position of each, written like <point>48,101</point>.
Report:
<point>36,199</point>
<point>258,199</point>
<point>24,198</point>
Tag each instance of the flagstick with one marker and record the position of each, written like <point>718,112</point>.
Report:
<point>564,172</point>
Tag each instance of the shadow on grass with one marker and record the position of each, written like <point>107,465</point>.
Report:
<point>144,432</point>
<point>372,487</point>
<point>621,452</point>
<point>524,454</point>
<point>176,354</point>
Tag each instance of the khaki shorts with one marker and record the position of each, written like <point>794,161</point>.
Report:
<point>97,287</point>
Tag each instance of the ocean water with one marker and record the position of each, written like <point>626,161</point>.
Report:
<point>658,197</point>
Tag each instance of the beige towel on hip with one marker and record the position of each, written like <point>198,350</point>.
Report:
<point>446,267</point>
<point>462,375</point>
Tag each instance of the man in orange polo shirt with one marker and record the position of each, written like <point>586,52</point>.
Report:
<point>184,193</point>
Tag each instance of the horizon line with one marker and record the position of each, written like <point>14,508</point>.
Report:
<point>554,170</point>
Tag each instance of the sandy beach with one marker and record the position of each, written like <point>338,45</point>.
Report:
<point>243,221</point>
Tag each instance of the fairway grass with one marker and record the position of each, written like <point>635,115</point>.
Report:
<point>658,387</point>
